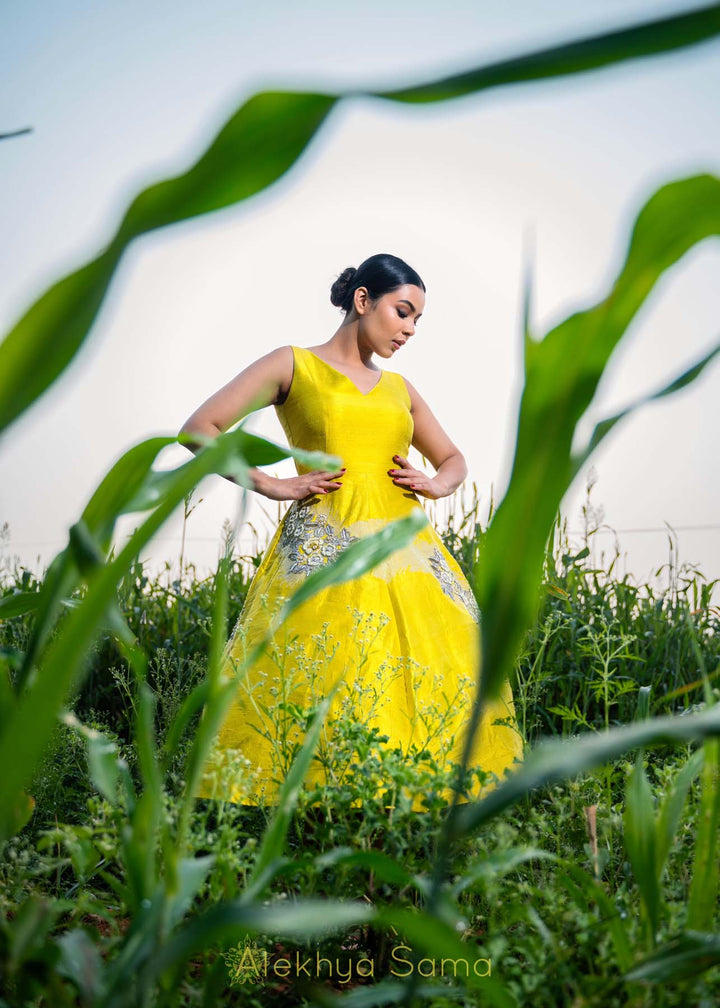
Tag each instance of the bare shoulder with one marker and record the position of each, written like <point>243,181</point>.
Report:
<point>284,364</point>
<point>416,399</point>
<point>280,364</point>
<point>263,382</point>
<point>276,369</point>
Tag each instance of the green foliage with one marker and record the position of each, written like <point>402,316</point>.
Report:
<point>510,877</point>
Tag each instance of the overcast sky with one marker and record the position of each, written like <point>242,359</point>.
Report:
<point>120,95</point>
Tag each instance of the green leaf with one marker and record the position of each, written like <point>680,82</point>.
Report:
<point>671,807</point>
<point>232,921</point>
<point>643,702</point>
<point>274,836</point>
<point>555,760</point>
<point>259,143</point>
<point>32,921</point>
<point>139,842</point>
<point>499,863</point>
<point>81,962</point>
<point>702,903</point>
<point>358,557</point>
<point>587,891</point>
<point>440,941</point>
<point>384,867</point>
<point>640,843</point>
<point>591,53</point>
<point>562,373</point>
<point>18,604</point>
<point>603,428</point>
<point>386,992</point>
<point>682,958</point>
<point>191,873</point>
<point>102,755</point>
<point>96,524</point>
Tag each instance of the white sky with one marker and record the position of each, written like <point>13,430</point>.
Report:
<point>120,95</point>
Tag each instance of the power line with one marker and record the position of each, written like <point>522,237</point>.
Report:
<point>217,539</point>
<point>655,528</point>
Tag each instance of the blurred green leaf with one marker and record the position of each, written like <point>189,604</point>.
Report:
<point>191,872</point>
<point>35,917</point>
<point>562,373</point>
<point>603,428</point>
<point>258,144</point>
<point>81,962</point>
<point>682,958</point>
<point>440,941</point>
<point>556,760</point>
<point>232,921</point>
<point>643,703</point>
<point>499,863</point>
<point>43,687</point>
<point>102,755</point>
<point>274,836</point>
<point>357,558</point>
<point>580,55</point>
<point>386,992</point>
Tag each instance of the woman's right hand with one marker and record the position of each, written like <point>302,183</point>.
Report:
<point>305,485</point>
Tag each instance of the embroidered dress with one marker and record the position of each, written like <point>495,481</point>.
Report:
<point>403,638</point>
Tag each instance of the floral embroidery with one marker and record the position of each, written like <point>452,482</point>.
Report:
<point>451,585</point>
<point>310,541</point>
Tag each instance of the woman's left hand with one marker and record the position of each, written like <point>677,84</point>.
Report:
<point>414,479</point>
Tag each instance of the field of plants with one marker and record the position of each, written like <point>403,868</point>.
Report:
<point>574,895</point>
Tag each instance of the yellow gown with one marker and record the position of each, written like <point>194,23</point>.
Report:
<point>403,637</point>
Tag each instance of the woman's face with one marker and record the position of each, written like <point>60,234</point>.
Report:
<point>390,323</point>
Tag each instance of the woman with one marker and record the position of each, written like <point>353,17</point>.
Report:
<point>404,637</point>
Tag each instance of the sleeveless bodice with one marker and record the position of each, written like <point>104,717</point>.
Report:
<point>325,411</point>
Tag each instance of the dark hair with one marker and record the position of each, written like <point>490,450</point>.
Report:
<point>380,274</point>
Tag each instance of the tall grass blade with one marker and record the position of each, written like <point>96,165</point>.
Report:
<point>640,844</point>
<point>562,373</point>
<point>556,760</point>
<point>702,901</point>
<point>671,807</point>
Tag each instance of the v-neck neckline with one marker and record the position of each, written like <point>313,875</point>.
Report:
<point>359,392</point>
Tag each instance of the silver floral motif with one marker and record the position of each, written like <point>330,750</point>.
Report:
<point>309,541</point>
<point>451,584</point>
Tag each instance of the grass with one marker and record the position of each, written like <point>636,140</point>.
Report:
<point>596,642</point>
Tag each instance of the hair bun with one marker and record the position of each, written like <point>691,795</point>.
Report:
<point>339,290</point>
<point>378,275</point>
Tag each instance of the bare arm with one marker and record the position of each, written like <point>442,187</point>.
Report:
<point>260,384</point>
<point>431,441</point>
<point>263,383</point>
